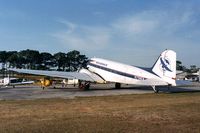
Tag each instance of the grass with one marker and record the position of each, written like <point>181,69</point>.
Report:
<point>126,113</point>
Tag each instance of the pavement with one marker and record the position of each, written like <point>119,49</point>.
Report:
<point>30,92</point>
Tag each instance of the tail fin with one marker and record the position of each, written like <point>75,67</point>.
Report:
<point>165,67</point>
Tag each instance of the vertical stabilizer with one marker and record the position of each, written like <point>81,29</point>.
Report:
<point>165,67</point>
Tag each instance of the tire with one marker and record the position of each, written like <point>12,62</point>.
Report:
<point>117,85</point>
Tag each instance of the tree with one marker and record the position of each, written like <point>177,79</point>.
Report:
<point>46,60</point>
<point>45,57</point>
<point>12,58</point>
<point>31,58</point>
<point>179,66</point>
<point>75,60</point>
<point>193,68</point>
<point>21,62</point>
<point>3,56</point>
<point>61,60</point>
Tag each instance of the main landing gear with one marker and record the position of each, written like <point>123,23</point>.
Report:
<point>84,85</point>
<point>117,85</point>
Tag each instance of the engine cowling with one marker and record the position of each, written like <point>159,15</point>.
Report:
<point>45,82</point>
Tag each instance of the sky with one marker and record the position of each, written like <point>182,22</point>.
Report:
<point>129,31</point>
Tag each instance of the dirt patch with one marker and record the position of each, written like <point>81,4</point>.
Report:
<point>126,113</point>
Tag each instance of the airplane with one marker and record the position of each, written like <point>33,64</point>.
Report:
<point>162,73</point>
<point>45,81</point>
<point>13,82</point>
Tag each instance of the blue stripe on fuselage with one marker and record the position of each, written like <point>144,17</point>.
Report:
<point>117,72</point>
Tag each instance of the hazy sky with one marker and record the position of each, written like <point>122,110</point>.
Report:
<point>130,31</point>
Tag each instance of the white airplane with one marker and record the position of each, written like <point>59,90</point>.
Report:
<point>13,82</point>
<point>99,70</point>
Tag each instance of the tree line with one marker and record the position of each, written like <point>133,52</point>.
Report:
<point>70,61</point>
<point>181,67</point>
<point>33,59</point>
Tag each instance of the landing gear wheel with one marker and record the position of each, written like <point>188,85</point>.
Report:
<point>87,86</point>
<point>169,88</point>
<point>84,85</point>
<point>117,85</point>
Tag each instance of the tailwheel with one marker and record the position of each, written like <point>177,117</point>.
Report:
<point>169,86</point>
<point>154,89</point>
<point>117,85</point>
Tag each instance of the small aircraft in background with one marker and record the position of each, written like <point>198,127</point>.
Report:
<point>14,81</point>
<point>162,73</point>
<point>46,82</point>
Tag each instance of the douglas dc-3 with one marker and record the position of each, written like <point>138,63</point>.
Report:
<point>162,73</point>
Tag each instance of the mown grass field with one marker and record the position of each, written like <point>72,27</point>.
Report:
<point>127,113</point>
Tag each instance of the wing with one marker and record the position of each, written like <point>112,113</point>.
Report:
<point>67,75</point>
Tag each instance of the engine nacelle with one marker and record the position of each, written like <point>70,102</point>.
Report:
<point>45,82</point>
<point>70,81</point>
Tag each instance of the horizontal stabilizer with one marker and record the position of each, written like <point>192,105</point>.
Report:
<point>183,82</point>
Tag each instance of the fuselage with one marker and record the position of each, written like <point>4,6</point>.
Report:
<point>112,71</point>
<point>7,81</point>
